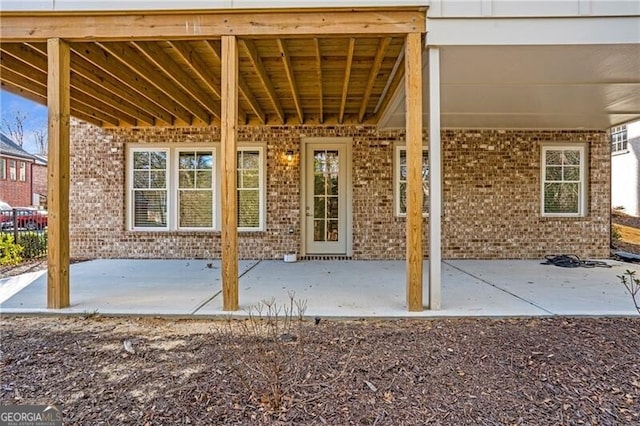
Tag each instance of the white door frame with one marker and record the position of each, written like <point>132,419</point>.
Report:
<point>346,143</point>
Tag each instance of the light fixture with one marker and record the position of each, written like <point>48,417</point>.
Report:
<point>289,156</point>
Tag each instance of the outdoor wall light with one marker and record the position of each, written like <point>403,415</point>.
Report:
<point>289,156</point>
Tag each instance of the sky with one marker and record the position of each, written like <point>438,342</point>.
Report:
<point>36,116</point>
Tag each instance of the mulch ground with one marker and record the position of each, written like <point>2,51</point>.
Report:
<point>560,371</point>
<point>144,371</point>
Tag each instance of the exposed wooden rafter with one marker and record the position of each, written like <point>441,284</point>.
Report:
<point>137,57</point>
<point>156,55</point>
<point>316,44</point>
<point>347,76</point>
<point>254,57</point>
<point>109,64</point>
<point>288,69</point>
<point>145,110</point>
<point>34,81</point>
<point>397,72</point>
<point>377,63</point>
<point>283,78</point>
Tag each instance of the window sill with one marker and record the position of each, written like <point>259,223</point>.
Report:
<point>565,218</point>
<point>624,151</point>
<point>190,231</point>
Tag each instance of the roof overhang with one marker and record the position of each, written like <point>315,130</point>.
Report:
<point>569,72</point>
<point>322,65</point>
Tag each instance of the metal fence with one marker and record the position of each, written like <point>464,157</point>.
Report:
<point>28,228</point>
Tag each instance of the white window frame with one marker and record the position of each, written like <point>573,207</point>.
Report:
<point>584,174</point>
<point>396,181</point>
<point>619,140</point>
<point>23,171</point>
<point>130,190</point>
<point>3,168</point>
<point>262,186</point>
<point>13,174</point>
<point>172,185</point>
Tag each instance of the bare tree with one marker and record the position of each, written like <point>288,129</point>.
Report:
<point>40,137</point>
<point>13,126</point>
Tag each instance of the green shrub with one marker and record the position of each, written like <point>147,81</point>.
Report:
<point>616,236</point>
<point>34,244</point>
<point>10,252</point>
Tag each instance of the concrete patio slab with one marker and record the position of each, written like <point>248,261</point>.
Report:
<point>561,291</point>
<point>366,289</point>
<point>350,289</point>
<point>115,286</point>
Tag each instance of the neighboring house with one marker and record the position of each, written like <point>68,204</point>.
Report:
<point>15,173</point>
<point>39,181</point>
<point>450,129</point>
<point>625,168</point>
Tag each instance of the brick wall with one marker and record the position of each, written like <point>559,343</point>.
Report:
<point>39,179</point>
<point>16,192</point>
<point>491,195</point>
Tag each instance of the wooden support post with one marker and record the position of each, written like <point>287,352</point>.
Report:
<point>229,135</point>
<point>413,90</point>
<point>435,181</point>
<point>58,103</point>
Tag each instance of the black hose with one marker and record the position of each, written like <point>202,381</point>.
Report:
<point>573,261</point>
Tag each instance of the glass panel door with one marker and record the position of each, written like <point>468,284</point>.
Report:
<point>325,201</point>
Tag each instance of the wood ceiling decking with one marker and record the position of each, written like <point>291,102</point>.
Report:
<point>282,80</point>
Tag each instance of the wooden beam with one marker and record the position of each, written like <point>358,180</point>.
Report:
<point>26,54</point>
<point>36,83</point>
<point>203,24</point>
<point>122,109</point>
<point>254,57</point>
<point>245,91</point>
<point>133,58</point>
<point>38,76</point>
<point>347,76</point>
<point>375,69</point>
<point>248,96</point>
<point>109,64</point>
<point>23,70</point>
<point>392,82</point>
<point>111,115</point>
<point>413,90</point>
<point>42,100</point>
<point>58,174</point>
<point>229,237</point>
<point>144,109</point>
<point>105,86</point>
<point>197,65</point>
<point>203,71</point>
<point>155,54</point>
<point>25,92</point>
<point>288,68</point>
<point>316,43</point>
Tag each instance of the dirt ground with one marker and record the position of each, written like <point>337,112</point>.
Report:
<point>629,227</point>
<point>561,371</point>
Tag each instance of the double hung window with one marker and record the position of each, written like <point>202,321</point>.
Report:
<point>564,176</point>
<point>400,181</point>
<point>177,188</point>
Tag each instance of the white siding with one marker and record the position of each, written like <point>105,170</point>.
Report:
<point>625,173</point>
